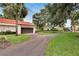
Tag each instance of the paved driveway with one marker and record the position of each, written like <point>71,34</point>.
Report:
<point>34,47</point>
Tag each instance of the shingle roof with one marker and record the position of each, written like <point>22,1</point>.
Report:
<point>9,21</point>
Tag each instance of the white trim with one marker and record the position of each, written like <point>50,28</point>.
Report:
<point>7,24</point>
<point>34,30</point>
<point>27,26</point>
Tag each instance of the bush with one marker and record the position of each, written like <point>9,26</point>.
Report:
<point>4,42</point>
<point>39,30</point>
<point>2,33</point>
<point>54,29</point>
<point>7,32</point>
<point>66,29</point>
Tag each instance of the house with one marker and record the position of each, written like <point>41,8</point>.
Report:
<point>10,25</point>
<point>47,26</point>
<point>76,28</point>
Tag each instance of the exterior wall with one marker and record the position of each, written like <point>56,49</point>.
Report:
<point>47,26</point>
<point>59,28</point>
<point>12,28</point>
<point>5,28</point>
<point>76,28</point>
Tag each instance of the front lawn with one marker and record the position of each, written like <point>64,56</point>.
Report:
<point>46,32</point>
<point>66,44</point>
<point>17,39</point>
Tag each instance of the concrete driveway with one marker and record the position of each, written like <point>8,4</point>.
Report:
<point>36,46</point>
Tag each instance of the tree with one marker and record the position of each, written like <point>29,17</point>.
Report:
<point>11,10</point>
<point>61,12</point>
<point>41,18</point>
<point>74,17</point>
<point>38,21</point>
<point>16,11</point>
<point>57,14</point>
<point>1,16</point>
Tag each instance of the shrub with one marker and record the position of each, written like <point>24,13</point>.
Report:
<point>4,42</point>
<point>54,29</point>
<point>7,32</point>
<point>2,33</point>
<point>66,29</point>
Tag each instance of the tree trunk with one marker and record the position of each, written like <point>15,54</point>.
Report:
<point>18,17</point>
<point>16,25</point>
<point>73,26</point>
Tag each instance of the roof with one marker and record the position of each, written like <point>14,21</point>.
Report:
<point>10,21</point>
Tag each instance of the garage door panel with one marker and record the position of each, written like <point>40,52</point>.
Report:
<point>27,30</point>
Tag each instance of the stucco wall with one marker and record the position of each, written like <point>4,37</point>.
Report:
<point>7,27</point>
<point>12,28</point>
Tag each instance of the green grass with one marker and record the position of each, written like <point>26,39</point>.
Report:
<point>45,32</point>
<point>17,39</point>
<point>66,44</point>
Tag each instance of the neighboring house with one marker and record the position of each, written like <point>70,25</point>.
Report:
<point>10,25</point>
<point>47,26</point>
<point>59,28</point>
<point>76,28</point>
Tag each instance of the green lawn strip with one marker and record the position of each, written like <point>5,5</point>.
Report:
<point>17,39</point>
<point>45,32</point>
<point>66,44</point>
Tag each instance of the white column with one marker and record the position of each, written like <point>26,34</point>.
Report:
<point>34,30</point>
<point>19,30</point>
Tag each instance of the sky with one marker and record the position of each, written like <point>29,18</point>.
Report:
<point>0,10</point>
<point>68,23</point>
<point>32,9</point>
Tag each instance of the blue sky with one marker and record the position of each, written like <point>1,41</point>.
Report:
<point>0,10</point>
<point>68,23</point>
<point>32,9</point>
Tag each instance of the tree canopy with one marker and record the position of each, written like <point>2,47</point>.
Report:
<point>60,12</point>
<point>11,10</point>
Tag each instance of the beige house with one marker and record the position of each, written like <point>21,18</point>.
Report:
<point>10,25</point>
<point>76,28</point>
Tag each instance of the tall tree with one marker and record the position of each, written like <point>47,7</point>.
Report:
<point>59,13</point>
<point>59,10</point>
<point>62,11</point>
<point>39,19</point>
<point>16,11</point>
<point>74,18</point>
<point>11,10</point>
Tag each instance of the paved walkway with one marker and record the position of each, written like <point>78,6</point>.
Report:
<point>34,47</point>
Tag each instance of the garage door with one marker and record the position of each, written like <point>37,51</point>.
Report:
<point>26,30</point>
